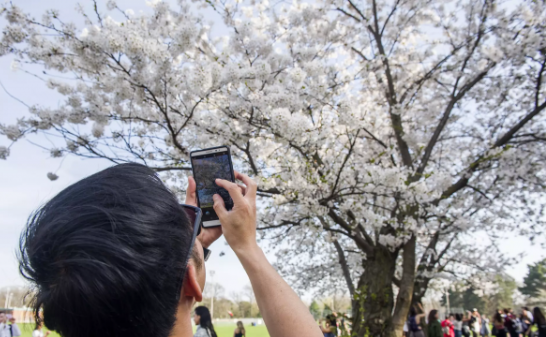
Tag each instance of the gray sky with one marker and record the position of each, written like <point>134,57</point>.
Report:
<point>24,185</point>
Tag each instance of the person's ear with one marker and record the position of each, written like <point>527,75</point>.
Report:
<point>191,287</point>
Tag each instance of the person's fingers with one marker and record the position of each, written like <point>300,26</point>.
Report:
<point>191,196</point>
<point>251,186</point>
<point>209,235</point>
<point>232,188</point>
<point>242,188</point>
<point>219,207</point>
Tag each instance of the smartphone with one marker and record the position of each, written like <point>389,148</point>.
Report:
<point>208,165</point>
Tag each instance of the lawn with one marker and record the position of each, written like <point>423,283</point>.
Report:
<point>224,330</point>
<point>251,331</point>
<point>26,330</point>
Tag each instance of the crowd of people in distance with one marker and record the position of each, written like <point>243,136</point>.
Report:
<point>504,323</point>
<point>335,325</point>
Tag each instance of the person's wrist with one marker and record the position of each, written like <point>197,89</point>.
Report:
<point>248,249</point>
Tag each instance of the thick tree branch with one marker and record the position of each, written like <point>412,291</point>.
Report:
<point>273,190</point>
<point>456,97</point>
<point>463,181</point>
<point>362,243</point>
<point>394,8</point>
<point>445,117</point>
<point>347,156</point>
<point>539,82</point>
<point>375,138</point>
<point>359,53</point>
<point>362,229</point>
<point>508,135</point>
<point>357,10</point>
<point>344,267</point>
<point>246,151</point>
<point>171,168</point>
<point>390,95</point>
<point>348,14</point>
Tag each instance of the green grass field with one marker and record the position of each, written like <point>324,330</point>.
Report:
<point>251,331</point>
<point>26,330</point>
<point>221,330</point>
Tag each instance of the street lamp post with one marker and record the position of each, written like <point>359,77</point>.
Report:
<point>447,301</point>
<point>6,302</point>
<point>212,272</point>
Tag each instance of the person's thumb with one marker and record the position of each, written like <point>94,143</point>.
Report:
<point>219,206</point>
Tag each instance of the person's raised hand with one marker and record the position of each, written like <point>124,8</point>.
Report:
<point>238,224</point>
<point>207,235</point>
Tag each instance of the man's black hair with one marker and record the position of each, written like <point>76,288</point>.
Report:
<point>106,255</point>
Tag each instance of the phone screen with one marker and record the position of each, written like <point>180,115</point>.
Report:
<point>206,169</point>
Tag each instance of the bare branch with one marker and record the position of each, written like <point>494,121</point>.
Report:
<point>344,267</point>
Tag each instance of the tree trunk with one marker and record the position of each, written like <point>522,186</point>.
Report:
<point>405,291</point>
<point>372,313</point>
<point>420,288</point>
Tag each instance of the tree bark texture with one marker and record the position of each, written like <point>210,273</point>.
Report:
<point>405,291</point>
<point>374,300</point>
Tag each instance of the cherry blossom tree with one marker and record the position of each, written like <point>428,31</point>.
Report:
<point>383,134</point>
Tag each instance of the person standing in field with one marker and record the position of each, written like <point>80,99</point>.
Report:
<point>475,323</point>
<point>202,319</point>
<point>414,328</point>
<point>486,330</point>
<point>466,324</point>
<point>539,321</point>
<point>448,327</point>
<point>330,328</point>
<point>8,330</point>
<point>510,322</point>
<point>38,331</point>
<point>528,314</point>
<point>434,326</point>
<point>458,325</point>
<point>499,329</point>
<point>240,330</point>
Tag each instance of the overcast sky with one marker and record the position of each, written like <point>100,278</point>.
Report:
<point>24,185</point>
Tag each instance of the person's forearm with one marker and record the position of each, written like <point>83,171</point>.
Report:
<point>284,313</point>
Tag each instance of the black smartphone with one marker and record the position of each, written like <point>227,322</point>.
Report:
<point>208,165</point>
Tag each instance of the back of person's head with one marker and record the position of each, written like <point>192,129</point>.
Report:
<point>412,312</point>
<point>106,256</point>
<point>538,316</point>
<point>497,317</point>
<point>240,325</point>
<point>459,317</point>
<point>205,320</point>
<point>506,310</point>
<point>432,315</point>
